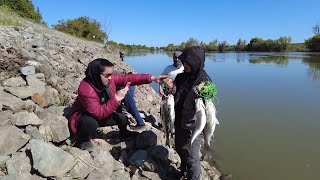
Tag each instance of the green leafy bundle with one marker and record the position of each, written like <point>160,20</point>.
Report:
<point>208,91</point>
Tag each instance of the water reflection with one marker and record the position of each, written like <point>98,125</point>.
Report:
<point>282,61</point>
<point>145,53</point>
<point>241,57</point>
<point>314,67</point>
<point>312,60</point>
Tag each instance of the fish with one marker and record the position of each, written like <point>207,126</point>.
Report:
<point>167,117</point>
<point>211,122</point>
<point>170,106</point>
<point>200,118</point>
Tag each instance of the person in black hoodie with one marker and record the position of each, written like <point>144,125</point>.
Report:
<point>193,61</point>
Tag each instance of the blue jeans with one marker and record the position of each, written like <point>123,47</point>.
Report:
<point>131,107</point>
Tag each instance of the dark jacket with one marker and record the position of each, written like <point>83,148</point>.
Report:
<point>185,83</point>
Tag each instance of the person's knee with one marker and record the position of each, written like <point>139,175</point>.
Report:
<point>90,123</point>
<point>93,125</point>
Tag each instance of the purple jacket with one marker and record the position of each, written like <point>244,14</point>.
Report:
<point>88,99</point>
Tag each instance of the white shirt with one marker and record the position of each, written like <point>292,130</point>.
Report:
<point>172,71</point>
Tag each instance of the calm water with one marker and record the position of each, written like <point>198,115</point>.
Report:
<point>269,112</point>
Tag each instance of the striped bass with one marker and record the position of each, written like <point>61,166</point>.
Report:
<point>168,117</point>
<point>200,118</point>
<point>211,123</point>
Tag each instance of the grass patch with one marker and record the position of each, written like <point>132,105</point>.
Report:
<point>7,22</point>
<point>9,17</point>
<point>7,10</point>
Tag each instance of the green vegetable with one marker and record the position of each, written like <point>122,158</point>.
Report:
<point>208,91</point>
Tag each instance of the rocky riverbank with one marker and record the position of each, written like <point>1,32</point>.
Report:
<point>40,70</point>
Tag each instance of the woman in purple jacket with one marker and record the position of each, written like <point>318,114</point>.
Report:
<point>98,102</point>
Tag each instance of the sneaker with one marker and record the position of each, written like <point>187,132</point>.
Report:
<point>142,115</point>
<point>87,146</point>
<point>138,127</point>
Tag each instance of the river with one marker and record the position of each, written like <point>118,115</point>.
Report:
<point>269,111</point>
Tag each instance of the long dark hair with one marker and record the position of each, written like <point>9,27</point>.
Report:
<point>93,71</point>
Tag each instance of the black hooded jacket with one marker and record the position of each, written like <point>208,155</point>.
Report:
<point>185,82</point>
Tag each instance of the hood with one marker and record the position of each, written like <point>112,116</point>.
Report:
<point>195,57</point>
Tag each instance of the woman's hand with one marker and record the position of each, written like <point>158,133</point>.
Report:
<point>121,93</point>
<point>158,79</point>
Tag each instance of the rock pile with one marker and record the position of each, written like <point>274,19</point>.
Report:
<point>40,70</point>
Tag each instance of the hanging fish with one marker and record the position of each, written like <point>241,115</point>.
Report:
<point>211,122</point>
<point>168,117</point>
<point>200,118</point>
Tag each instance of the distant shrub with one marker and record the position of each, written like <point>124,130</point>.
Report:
<point>84,27</point>
<point>258,44</point>
<point>313,44</point>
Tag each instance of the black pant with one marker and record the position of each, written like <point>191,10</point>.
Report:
<point>87,125</point>
<point>190,160</point>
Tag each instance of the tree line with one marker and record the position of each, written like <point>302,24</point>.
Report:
<point>91,29</point>
<point>255,44</point>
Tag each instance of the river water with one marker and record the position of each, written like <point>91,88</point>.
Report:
<point>269,111</point>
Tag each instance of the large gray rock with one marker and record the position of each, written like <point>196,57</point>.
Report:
<point>5,118</point>
<point>3,159</point>
<point>139,157</point>
<point>25,91</point>
<point>14,82</point>
<point>151,175</point>
<point>10,102</point>
<point>25,118</point>
<point>12,139</point>
<point>33,132</point>
<point>18,164</point>
<point>36,80</point>
<point>98,175</point>
<point>17,176</point>
<point>103,160</point>
<point>56,110</point>
<point>50,160</point>
<point>117,165</point>
<point>120,175</point>
<point>48,98</point>
<point>29,106</point>
<point>54,128</point>
<point>84,163</point>
<point>28,70</point>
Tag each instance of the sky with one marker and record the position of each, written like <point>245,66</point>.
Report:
<point>159,23</point>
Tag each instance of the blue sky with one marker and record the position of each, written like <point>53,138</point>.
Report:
<point>158,23</point>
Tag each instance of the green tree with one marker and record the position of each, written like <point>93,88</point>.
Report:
<point>24,8</point>
<point>255,44</point>
<point>182,46</point>
<point>203,45</point>
<point>192,42</point>
<point>283,43</point>
<point>258,44</point>
<point>241,45</point>
<point>170,47</point>
<point>82,27</point>
<point>213,46</point>
<point>316,29</point>
<point>313,44</point>
<point>222,46</point>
